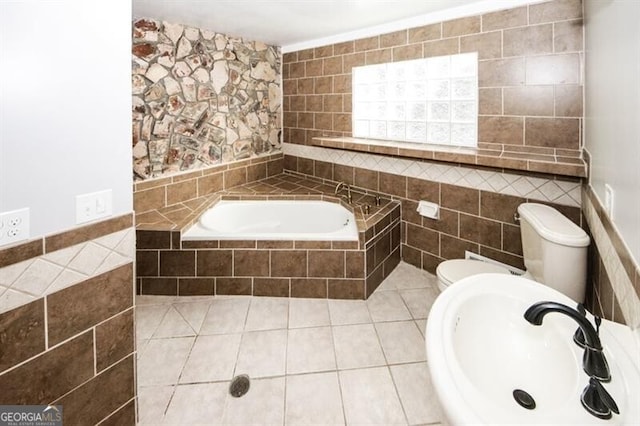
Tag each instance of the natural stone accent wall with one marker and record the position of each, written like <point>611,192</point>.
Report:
<point>201,98</point>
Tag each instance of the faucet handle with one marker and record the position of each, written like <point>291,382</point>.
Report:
<point>595,364</point>
<point>578,336</point>
<point>598,401</point>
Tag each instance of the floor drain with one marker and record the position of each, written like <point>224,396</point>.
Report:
<point>524,399</point>
<point>239,385</point>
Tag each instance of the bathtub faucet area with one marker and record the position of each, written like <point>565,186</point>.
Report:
<point>340,186</point>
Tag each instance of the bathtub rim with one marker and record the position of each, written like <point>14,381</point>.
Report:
<point>326,237</point>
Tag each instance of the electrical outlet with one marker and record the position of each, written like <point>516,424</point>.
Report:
<point>93,206</point>
<point>14,226</point>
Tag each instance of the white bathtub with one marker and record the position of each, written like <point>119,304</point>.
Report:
<point>274,220</point>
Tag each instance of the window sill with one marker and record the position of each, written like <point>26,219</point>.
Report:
<point>550,164</point>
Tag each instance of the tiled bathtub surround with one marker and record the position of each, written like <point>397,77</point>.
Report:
<point>615,276</point>
<point>334,269</point>
<point>473,219</point>
<point>201,98</point>
<point>67,323</point>
<point>530,81</point>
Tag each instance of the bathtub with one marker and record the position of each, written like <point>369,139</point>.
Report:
<point>274,220</point>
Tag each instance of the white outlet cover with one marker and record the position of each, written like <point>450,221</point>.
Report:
<point>14,226</point>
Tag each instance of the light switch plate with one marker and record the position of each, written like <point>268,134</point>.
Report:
<point>94,205</point>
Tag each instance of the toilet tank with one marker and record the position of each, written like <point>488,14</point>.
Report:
<point>554,249</point>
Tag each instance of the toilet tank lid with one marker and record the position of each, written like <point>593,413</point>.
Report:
<point>553,225</point>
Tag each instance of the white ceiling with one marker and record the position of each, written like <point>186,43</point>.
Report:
<point>299,22</point>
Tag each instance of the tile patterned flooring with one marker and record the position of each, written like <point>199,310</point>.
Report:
<point>311,361</point>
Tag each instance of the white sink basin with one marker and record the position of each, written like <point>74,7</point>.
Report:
<point>480,349</point>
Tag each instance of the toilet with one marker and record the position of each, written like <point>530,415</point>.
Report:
<point>454,270</point>
<point>554,251</point>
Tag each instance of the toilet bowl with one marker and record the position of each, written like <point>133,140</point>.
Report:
<point>454,270</point>
<point>554,252</point>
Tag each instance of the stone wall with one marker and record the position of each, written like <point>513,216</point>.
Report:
<point>201,98</point>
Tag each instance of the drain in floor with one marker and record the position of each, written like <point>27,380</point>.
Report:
<point>239,385</point>
<point>524,399</point>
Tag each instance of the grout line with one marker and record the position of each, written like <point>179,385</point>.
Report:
<point>95,353</point>
<point>46,324</point>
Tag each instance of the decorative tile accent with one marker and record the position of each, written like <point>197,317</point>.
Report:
<point>555,191</point>
<point>28,280</point>
<point>35,280</point>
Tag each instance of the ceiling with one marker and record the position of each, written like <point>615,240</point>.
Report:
<point>290,22</point>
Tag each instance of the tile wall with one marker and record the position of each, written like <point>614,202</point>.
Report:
<point>66,315</point>
<point>310,269</point>
<point>530,88</point>
<point>201,98</point>
<point>614,275</point>
<point>530,77</point>
<point>473,219</point>
<point>157,194</point>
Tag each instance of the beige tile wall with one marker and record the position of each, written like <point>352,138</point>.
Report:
<point>530,77</point>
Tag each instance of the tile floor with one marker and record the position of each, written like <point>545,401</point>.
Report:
<point>311,361</point>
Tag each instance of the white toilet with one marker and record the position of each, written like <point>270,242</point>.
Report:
<point>554,251</point>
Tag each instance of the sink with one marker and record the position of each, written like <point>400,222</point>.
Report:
<point>480,349</point>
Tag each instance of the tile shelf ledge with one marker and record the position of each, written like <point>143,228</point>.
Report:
<point>549,164</point>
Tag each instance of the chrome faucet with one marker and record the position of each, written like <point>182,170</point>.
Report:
<point>342,185</point>
<point>593,361</point>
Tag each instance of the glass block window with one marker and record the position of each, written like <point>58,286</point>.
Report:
<point>432,100</point>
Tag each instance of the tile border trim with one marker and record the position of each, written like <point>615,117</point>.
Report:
<point>561,192</point>
<point>622,277</point>
<point>47,244</point>
<point>463,155</point>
